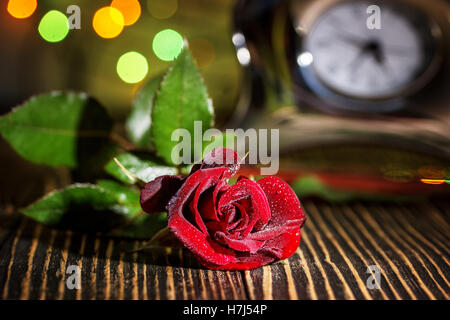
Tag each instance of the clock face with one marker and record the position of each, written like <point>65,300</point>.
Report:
<point>350,59</point>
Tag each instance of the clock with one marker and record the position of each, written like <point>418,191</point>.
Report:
<point>354,64</point>
<point>336,76</point>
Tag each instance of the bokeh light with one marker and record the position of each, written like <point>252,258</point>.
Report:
<point>167,44</point>
<point>54,26</point>
<point>305,59</point>
<point>108,22</point>
<point>130,9</point>
<point>162,9</point>
<point>132,67</point>
<point>243,56</point>
<point>433,181</point>
<point>238,39</point>
<point>203,51</point>
<point>21,9</point>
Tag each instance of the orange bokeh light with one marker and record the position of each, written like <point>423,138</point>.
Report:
<point>21,9</point>
<point>108,22</point>
<point>131,10</point>
<point>433,181</point>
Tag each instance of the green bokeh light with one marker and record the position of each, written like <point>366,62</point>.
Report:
<point>167,44</point>
<point>54,26</point>
<point>132,67</point>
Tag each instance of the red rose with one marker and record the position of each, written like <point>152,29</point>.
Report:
<point>242,226</point>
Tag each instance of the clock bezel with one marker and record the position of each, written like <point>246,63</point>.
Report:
<point>304,15</point>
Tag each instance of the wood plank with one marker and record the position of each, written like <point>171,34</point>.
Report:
<point>339,242</point>
<point>409,243</point>
<point>110,269</point>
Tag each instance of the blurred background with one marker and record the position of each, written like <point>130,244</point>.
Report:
<point>363,113</point>
<point>86,61</point>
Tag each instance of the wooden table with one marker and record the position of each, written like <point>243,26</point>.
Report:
<point>408,242</point>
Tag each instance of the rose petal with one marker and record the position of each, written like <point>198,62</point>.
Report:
<point>272,232</point>
<point>206,204</point>
<point>204,185</point>
<point>248,245</point>
<point>220,157</point>
<point>241,223</point>
<point>259,214</point>
<point>157,193</point>
<point>198,242</point>
<point>243,262</point>
<point>286,210</point>
<point>283,201</point>
<point>224,223</point>
<point>283,246</point>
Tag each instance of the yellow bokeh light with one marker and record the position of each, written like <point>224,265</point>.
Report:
<point>21,9</point>
<point>108,22</point>
<point>131,10</point>
<point>162,9</point>
<point>132,67</point>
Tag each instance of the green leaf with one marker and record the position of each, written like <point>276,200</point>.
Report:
<point>57,128</point>
<point>128,199</point>
<point>91,168</point>
<point>181,100</point>
<point>87,207</point>
<point>144,226</point>
<point>144,169</point>
<point>138,123</point>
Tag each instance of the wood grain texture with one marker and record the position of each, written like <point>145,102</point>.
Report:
<point>409,244</point>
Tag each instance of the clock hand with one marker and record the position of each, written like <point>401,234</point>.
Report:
<point>358,40</point>
<point>375,49</point>
<point>371,47</point>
